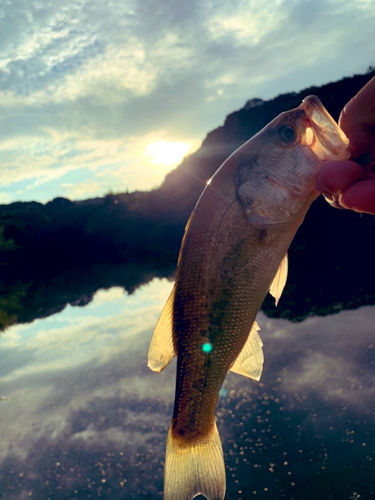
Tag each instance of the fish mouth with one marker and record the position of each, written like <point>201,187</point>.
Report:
<point>323,135</point>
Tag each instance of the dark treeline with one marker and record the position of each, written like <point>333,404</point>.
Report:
<point>63,251</point>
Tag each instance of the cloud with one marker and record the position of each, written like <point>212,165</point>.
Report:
<point>247,23</point>
<point>78,168</point>
<point>116,73</point>
<point>88,189</point>
<point>5,198</point>
<point>104,349</point>
<point>328,357</point>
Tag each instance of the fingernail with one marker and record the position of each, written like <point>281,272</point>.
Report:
<point>333,200</point>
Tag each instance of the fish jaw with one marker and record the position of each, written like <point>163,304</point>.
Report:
<point>324,137</point>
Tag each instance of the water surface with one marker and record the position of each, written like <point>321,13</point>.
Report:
<point>82,416</point>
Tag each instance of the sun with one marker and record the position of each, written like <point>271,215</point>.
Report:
<point>167,153</point>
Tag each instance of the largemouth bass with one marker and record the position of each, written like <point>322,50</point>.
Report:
<point>234,252</point>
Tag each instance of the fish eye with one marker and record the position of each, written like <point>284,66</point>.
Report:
<point>286,134</point>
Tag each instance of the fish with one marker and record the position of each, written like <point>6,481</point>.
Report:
<point>233,252</point>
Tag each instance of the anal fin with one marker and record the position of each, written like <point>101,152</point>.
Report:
<point>279,280</point>
<point>161,350</point>
<point>250,360</point>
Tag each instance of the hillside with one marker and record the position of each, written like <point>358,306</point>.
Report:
<point>42,246</point>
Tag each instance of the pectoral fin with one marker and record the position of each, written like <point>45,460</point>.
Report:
<point>250,360</point>
<point>161,349</point>
<point>279,280</point>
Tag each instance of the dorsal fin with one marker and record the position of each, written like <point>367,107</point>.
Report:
<point>161,349</point>
<point>279,280</point>
<point>250,360</point>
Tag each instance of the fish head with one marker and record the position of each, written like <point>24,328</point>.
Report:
<point>278,182</point>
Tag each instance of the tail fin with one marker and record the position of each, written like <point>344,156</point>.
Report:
<point>193,470</point>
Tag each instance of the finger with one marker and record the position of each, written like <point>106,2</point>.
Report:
<point>370,167</point>
<point>357,120</point>
<point>360,197</point>
<point>335,177</point>
<point>361,108</point>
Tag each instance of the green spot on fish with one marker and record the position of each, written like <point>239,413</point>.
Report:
<point>206,347</point>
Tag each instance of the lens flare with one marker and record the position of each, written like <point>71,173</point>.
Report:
<point>206,347</point>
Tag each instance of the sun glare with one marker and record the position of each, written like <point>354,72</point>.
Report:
<point>167,153</point>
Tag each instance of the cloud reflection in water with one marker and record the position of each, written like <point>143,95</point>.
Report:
<point>83,417</point>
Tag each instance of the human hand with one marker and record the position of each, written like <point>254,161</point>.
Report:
<point>351,184</point>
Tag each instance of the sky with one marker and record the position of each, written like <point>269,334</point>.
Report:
<point>99,97</point>
<point>86,418</point>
